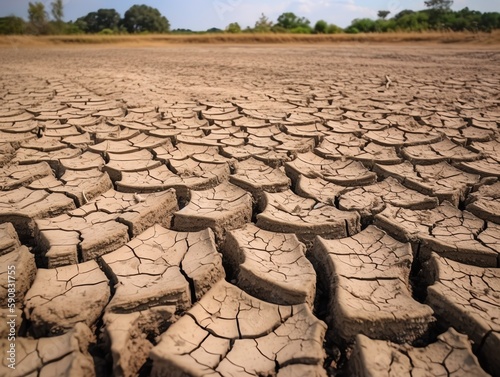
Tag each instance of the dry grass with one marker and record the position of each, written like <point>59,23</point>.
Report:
<point>250,38</point>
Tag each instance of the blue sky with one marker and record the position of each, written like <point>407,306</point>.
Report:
<point>204,14</point>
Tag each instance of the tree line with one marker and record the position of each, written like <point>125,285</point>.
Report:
<point>437,16</point>
<point>137,19</point>
<point>146,19</point>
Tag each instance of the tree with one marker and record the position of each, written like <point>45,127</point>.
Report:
<point>143,18</point>
<point>12,25</point>
<point>383,14</point>
<point>108,19</point>
<point>263,25</point>
<point>490,21</point>
<point>58,14</point>
<point>182,31</point>
<point>382,26</point>
<point>72,28</point>
<point>361,25</point>
<point>334,29</point>
<point>233,27</point>
<point>321,27</point>
<point>37,18</point>
<point>437,11</point>
<point>88,23</point>
<point>57,10</point>
<point>289,21</point>
<point>403,13</point>
<point>95,22</point>
<point>414,21</point>
<point>439,5</point>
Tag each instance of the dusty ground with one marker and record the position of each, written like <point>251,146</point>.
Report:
<point>241,210</point>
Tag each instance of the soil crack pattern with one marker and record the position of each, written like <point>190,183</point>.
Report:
<point>250,211</point>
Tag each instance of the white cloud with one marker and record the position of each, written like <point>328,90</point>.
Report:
<point>310,6</point>
<point>350,6</point>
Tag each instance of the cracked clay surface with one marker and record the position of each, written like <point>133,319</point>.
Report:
<point>278,211</point>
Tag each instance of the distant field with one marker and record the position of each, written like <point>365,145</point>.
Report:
<point>155,39</point>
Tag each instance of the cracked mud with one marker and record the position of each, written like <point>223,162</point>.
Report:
<point>251,211</point>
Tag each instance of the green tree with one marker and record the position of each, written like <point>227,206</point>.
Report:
<point>383,14</point>
<point>301,30</point>
<point>88,23</point>
<point>81,24</point>
<point>12,25</point>
<point>106,32</point>
<point>362,25</point>
<point>383,26</point>
<point>439,5</point>
<point>263,25</point>
<point>438,10</point>
<point>72,28</point>
<point>414,21</point>
<point>321,27</point>
<point>289,21</point>
<point>108,19</point>
<point>143,18</point>
<point>182,31</point>
<point>234,28</point>
<point>465,19</point>
<point>57,11</point>
<point>403,13</point>
<point>490,21</point>
<point>95,22</point>
<point>38,18</point>
<point>334,29</point>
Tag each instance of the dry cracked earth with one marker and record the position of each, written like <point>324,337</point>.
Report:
<point>251,210</point>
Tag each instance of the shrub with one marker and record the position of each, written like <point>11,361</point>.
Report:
<point>334,29</point>
<point>106,32</point>
<point>352,30</point>
<point>301,30</point>
<point>321,27</point>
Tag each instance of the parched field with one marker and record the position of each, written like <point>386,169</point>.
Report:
<point>250,210</point>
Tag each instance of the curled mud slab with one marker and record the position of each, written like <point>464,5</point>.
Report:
<point>222,208</point>
<point>287,212</point>
<point>344,173</point>
<point>63,355</point>
<point>467,298</point>
<point>23,206</point>
<point>101,226</point>
<point>346,146</point>
<point>163,267</point>
<point>372,199</point>
<point>485,203</point>
<point>368,279</point>
<point>445,230</point>
<point>440,180</point>
<point>62,297</point>
<point>9,241</point>
<point>229,332</point>
<point>22,175</point>
<point>271,266</point>
<point>257,177</point>
<point>251,211</point>
<point>129,336</point>
<point>450,355</point>
<point>81,186</point>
